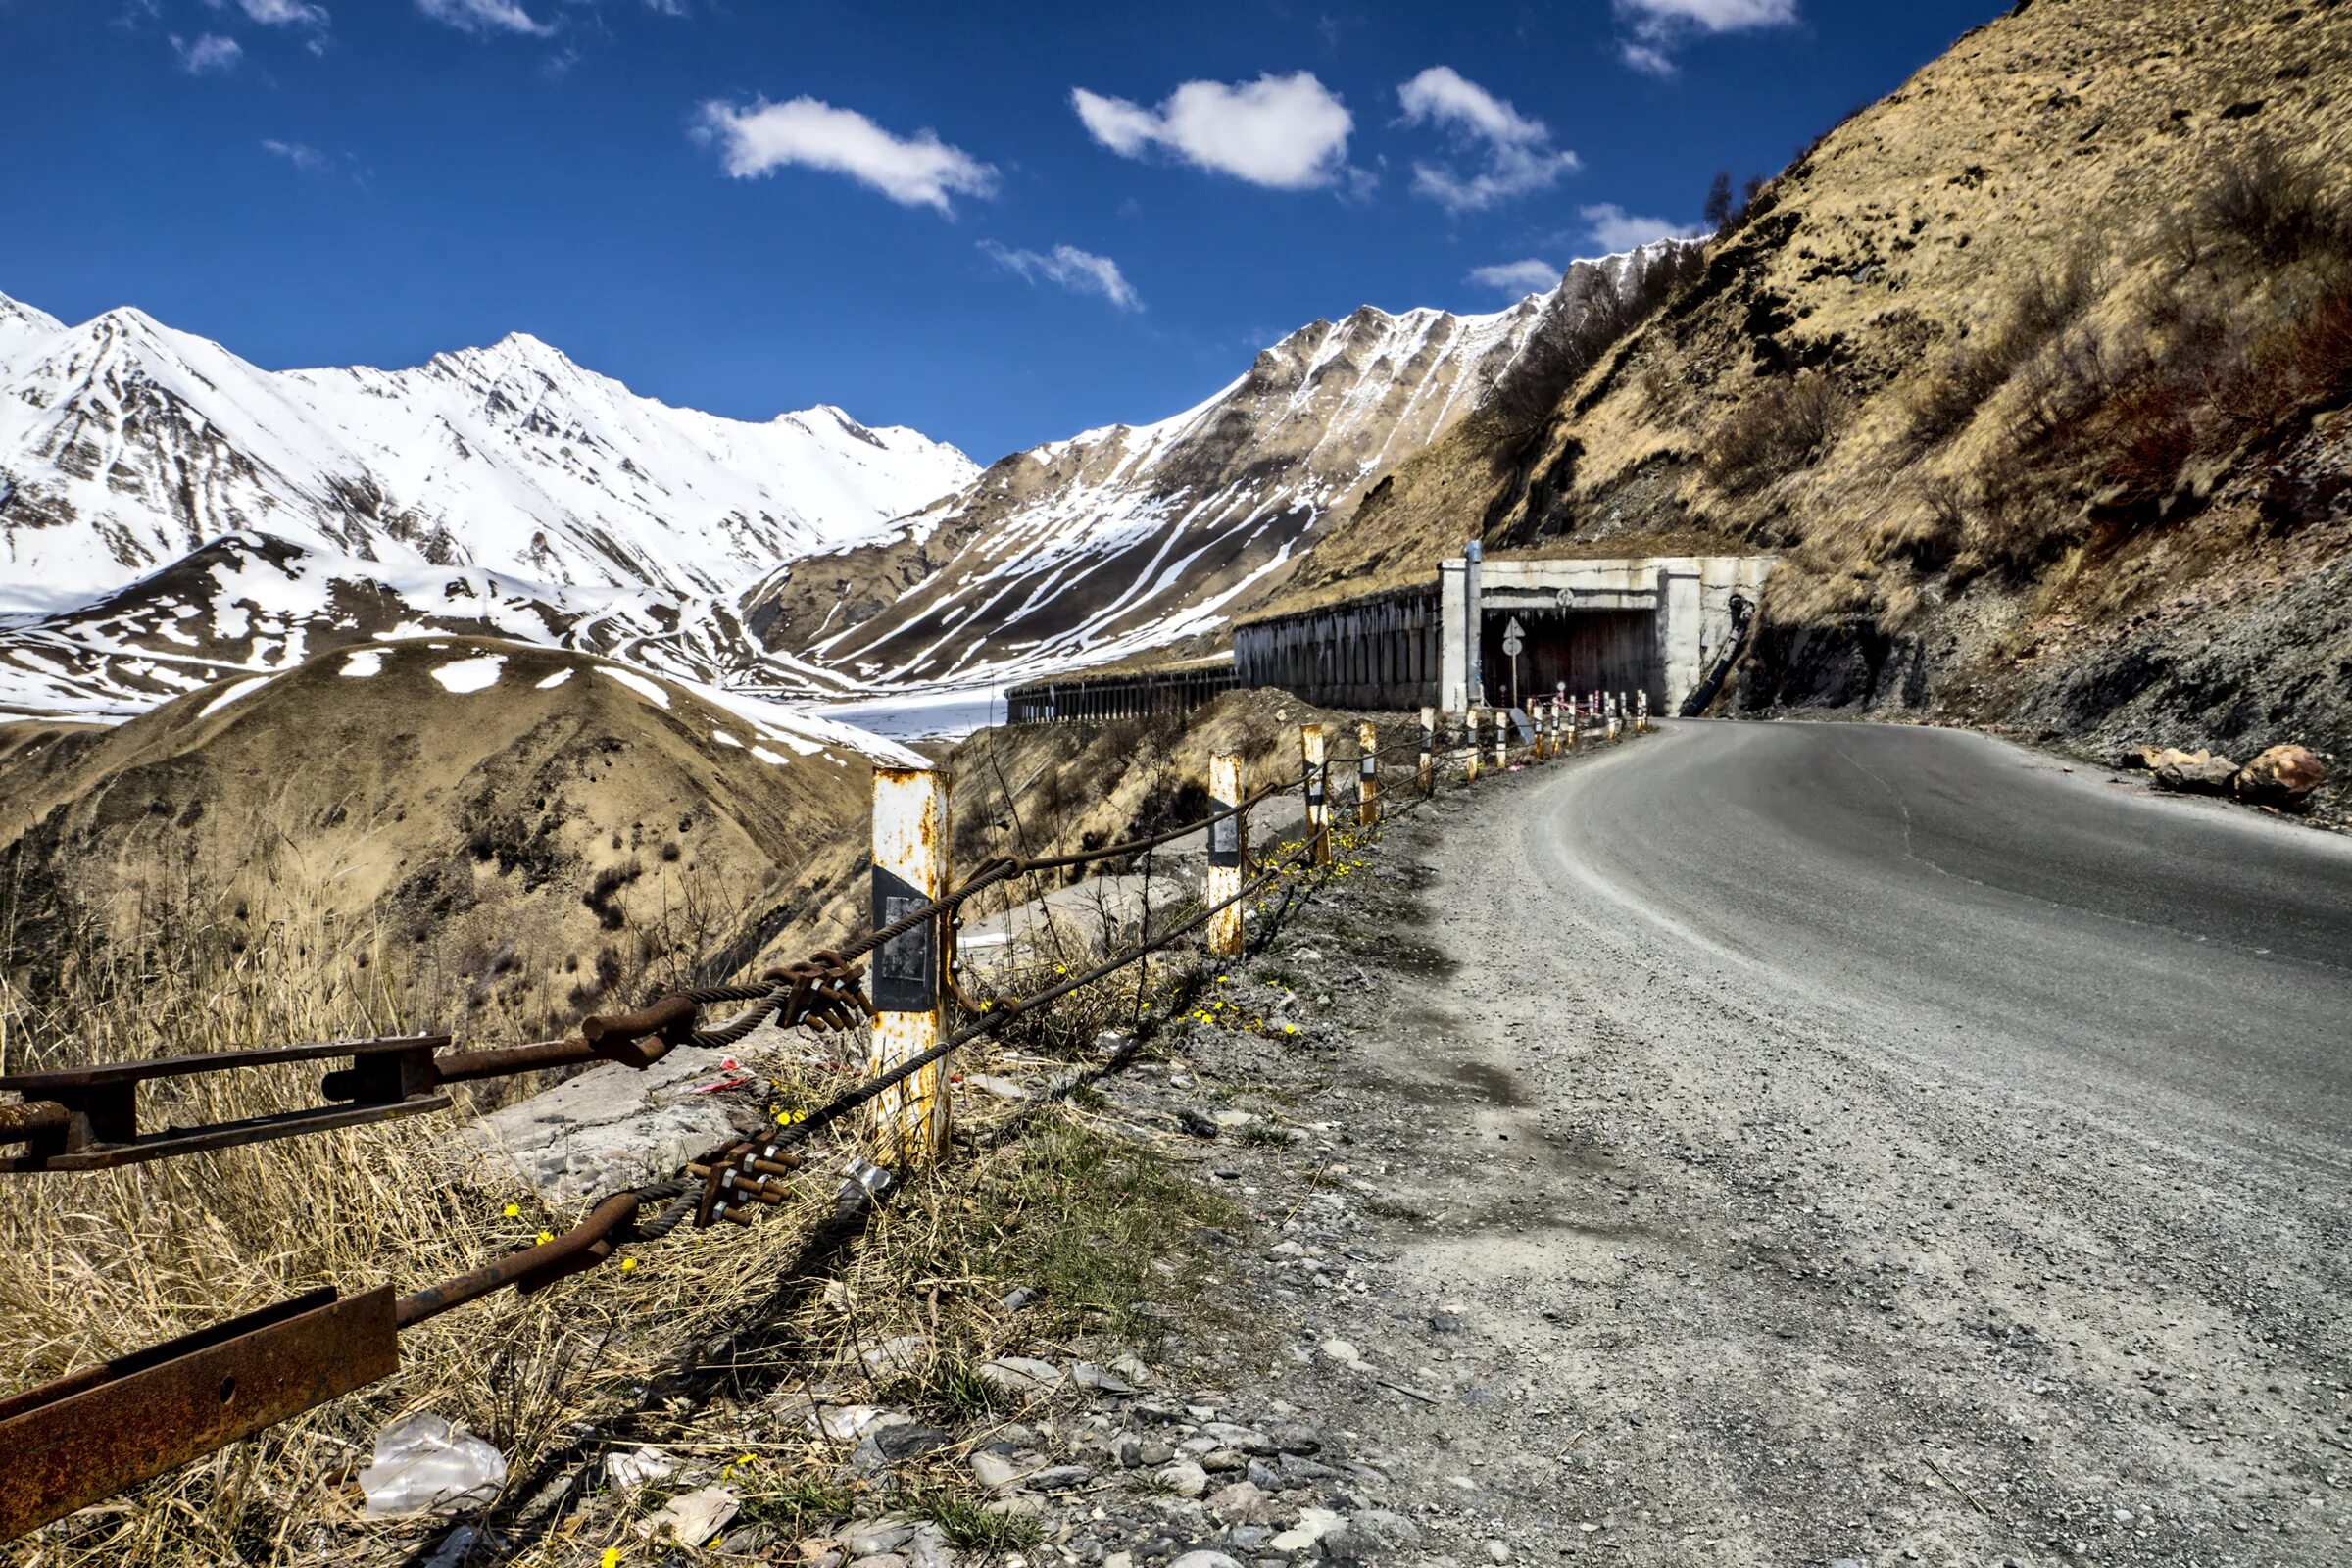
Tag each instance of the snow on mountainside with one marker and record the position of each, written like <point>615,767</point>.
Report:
<point>125,445</point>
<point>1129,537</point>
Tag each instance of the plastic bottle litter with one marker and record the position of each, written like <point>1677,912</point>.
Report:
<point>423,1461</point>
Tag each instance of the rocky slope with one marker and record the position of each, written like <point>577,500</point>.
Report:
<point>125,445</point>
<point>2033,374</point>
<point>1130,537</point>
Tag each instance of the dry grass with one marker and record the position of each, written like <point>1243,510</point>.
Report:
<point>94,1265</point>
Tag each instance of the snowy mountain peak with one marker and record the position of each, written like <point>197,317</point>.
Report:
<point>124,444</point>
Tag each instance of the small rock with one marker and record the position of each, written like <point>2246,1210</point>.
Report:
<point>1294,1437</point>
<point>1100,1379</point>
<point>1344,1353</point>
<point>1061,1478</point>
<point>1497,1551</point>
<point>1241,1504</point>
<point>1015,1299</point>
<point>1001,1472</point>
<point>1313,1526</point>
<point>1184,1478</point>
<point>2283,776</point>
<point>1154,1452</point>
<point>1446,1323</point>
<point>1264,1476</point>
<point>1192,1121</point>
<point>1022,1374</point>
<point>1204,1560</point>
<point>2210,778</point>
<point>869,1538</point>
<point>998,1087</point>
<point>903,1439</point>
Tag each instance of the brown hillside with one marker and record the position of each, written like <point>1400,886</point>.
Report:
<point>530,843</point>
<point>2031,371</point>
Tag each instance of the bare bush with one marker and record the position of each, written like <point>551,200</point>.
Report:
<point>1779,428</point>
<point>2045,305</point>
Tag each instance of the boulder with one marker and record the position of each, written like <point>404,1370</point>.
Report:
<point>2197,775</point>
<point>2283,776</point>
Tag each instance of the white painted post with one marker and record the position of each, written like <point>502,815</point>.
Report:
<point>1502,741</point>
<point>1228,847</point>
<point>1477,746</point>
<point>1428,743</point>
<point>909,1119</point>
<point>1572,726</point>
<point>1642,711</point>
<point>1367,774</point>
<point>1318,785</point>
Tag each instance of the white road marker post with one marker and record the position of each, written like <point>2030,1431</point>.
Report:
<point>1367,774</point>
<point>909,1118</point>
<point>1610,732</point>
<point>1572,726</point>
<point>1228,847</point>
<point>1477,745</point>
<point>1642,711</point>
<point>1428,779</point>
<point>1318,793</point>
<point>1503,740</point>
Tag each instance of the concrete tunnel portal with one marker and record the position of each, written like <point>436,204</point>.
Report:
<point>1652,625</point>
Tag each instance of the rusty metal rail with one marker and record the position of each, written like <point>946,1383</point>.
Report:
<point>86,1437</point>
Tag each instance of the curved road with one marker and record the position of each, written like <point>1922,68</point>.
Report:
<point>1887,1145</point>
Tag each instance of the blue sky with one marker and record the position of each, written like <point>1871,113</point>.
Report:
<point>999,224</point>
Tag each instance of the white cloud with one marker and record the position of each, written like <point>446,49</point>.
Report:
<point>1518,153</point>
<point>1658,26</point>
<point>210,55</point>
<point>486,15</point>
<point>918,171</point>
<point>1530,276</point>
<point>1079,272</point>
<point>1616,230</point>
<point>310,160</point>
<point>1287,132</point>
<point>278,13</point>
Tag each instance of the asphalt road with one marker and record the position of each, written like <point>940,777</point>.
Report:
<point>1848,1142</point>
<point>1985,906</point>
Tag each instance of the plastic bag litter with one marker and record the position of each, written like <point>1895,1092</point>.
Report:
<point>633,1467</point>
<point>423,1461</point>
<point>694,1517</point>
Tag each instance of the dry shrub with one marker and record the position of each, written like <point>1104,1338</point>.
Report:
<point>1782,426</point>
<point>2045,306</point>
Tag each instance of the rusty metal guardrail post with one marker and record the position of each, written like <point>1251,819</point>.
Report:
<point>909,1118</point>
<point>1367,774</point>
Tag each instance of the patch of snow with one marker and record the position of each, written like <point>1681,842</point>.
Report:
<point>636,683</point>
<point>362,664</point>
<point>725,739</point>
<point>768,757</point>
<point>471,675</point>
<point>556,680</point>
<point>243,688</point>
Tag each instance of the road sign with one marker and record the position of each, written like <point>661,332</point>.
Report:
<point>1514,638</point>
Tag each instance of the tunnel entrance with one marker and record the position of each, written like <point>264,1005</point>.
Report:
<point>1581,649</point>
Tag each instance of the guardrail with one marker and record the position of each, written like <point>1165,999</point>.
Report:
<point>1083,697</point>
<point>106,1428</point>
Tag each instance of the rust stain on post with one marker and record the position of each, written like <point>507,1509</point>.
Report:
<point>1228,847</point>
<point>910,1120</point>
<point>1478,746</point>
<point>1367,773</point>
<point>1429,736</point>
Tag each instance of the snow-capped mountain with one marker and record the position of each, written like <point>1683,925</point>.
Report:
<point>1131,536</point>
<point>125,445</point>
